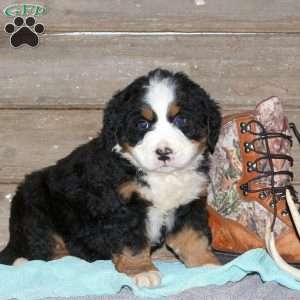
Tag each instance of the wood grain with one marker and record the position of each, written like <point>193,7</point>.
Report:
<point>32,140</point>
<point>83,72</point>
<point>6,194</point>
<point>175,15</point>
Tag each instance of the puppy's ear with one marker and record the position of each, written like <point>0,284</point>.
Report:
<point>112,119</point>
<point>116,111</point>
<point>214,125</point>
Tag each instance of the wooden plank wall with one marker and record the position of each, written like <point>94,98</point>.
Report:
<point>52,97</point>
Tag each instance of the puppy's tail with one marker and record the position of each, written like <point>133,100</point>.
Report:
<point>8,255</point>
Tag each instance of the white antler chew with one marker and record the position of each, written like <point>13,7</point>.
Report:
<point>270,240</point>
<point>293,209</point>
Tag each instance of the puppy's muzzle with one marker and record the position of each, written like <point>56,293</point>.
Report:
<point>164,153</point>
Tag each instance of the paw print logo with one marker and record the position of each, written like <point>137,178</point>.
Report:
<point>24,32</point>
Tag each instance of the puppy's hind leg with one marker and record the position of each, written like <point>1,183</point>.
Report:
<point>8,255</point>
<point>190,238</point>
<point>192,248</point>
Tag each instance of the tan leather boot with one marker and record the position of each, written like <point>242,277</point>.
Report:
<point>250,172</point>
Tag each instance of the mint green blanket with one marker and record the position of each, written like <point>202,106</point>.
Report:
<point>71,276</point>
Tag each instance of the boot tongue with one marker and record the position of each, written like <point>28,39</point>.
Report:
<point>271,115</point>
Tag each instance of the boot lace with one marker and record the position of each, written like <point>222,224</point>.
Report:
<point>277,192</point>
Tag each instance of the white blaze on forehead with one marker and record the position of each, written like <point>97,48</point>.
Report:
<point>161,92</point>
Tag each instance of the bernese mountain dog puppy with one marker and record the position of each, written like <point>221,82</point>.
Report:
<point>140,183</point>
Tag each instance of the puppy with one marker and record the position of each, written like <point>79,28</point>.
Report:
<point>140,183</point>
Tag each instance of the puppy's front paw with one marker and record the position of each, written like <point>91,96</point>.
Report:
<point>20,261</point>
<point>218,265</point>
<point>150,279</point>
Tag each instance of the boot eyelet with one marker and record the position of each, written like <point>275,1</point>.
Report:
<point>245,127</point>
<point>251,166</point>
<point>262,195</point>
<point>248,147</point>
<point>244,188</point>
<point>284,212</point>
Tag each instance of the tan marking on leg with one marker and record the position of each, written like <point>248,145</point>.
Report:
<point>60,249</point>
<point>127,189</point>
<point>147,113</point>
<point>138,266</point>
<point>174,109</point>
<point>192,248</point>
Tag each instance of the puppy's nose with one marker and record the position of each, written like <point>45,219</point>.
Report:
<point>163,153</point>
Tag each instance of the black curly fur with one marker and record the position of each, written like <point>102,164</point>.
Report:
<point>77,197</point>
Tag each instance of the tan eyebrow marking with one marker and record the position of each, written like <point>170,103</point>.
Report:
<point>174,109</point>
<point>147,113</point>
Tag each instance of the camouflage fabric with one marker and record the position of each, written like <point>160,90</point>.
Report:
<point>227,168</point>
<point>270,114</point>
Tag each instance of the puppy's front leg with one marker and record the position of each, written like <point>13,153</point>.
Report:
<point>138,266</point>
<point>192,247</point>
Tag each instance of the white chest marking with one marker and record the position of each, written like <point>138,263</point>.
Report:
<point>170,190</point>
<point>167,192</point>
<point>156,220</point>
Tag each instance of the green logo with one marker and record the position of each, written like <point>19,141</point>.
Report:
<point>24,10</point>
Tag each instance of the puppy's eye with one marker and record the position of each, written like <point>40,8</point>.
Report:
<point>143,125</point>
<point>179,121</point>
